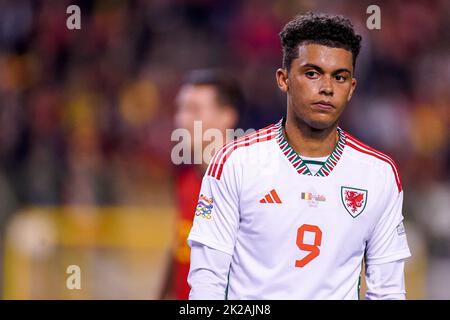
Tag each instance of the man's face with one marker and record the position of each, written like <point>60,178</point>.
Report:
<point>199,103</point>
<point>319,84</point>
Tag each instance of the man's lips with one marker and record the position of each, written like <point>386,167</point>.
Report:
<point>324,105</point>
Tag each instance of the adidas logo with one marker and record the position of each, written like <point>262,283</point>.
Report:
<point>271,197</point>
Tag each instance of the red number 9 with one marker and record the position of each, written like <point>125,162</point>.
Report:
<point>313,250</point>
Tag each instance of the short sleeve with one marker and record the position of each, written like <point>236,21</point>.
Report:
<point>388,241</point>
<point>216,219</point>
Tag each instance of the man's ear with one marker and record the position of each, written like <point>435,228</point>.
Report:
<point>352,89</point>
<point>282,79</point>
<point>229,117</point>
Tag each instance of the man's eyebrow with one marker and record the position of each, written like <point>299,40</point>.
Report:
<point>310,65</point>
<point>342,70</point>
<point>319,69</point>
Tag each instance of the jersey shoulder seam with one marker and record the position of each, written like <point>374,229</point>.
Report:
<point>361,147</point>
<point>215,168</point>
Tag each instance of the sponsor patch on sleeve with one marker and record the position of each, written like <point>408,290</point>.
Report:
<point>401,229</point>
<point>204,207</point>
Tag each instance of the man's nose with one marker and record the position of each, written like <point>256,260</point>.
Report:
<point>326,87</point>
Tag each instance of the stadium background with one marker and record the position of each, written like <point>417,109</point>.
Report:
<point>86,117</point>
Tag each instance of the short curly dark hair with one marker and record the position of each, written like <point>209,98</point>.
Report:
<point>329,30</point>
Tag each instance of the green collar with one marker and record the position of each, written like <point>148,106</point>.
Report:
<point>296,160</point>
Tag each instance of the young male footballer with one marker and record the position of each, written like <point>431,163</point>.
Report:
<point>214,99</point>
<point>293,210</point>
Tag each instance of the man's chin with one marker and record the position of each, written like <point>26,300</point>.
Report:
<point>315,120</point>
<point>320,124</point>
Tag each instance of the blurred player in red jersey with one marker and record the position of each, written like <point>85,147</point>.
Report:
<point>213,99</point>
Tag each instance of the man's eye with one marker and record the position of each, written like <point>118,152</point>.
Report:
<point>340,78</point>
<point>311,74</point>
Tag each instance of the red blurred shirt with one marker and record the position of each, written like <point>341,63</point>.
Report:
<point>187,187</point>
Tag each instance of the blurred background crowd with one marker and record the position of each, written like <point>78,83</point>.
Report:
<point>86,115</point>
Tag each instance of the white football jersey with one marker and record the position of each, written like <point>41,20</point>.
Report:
<point>294,235</point>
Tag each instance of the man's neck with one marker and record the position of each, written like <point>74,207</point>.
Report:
<point>310,142</point>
